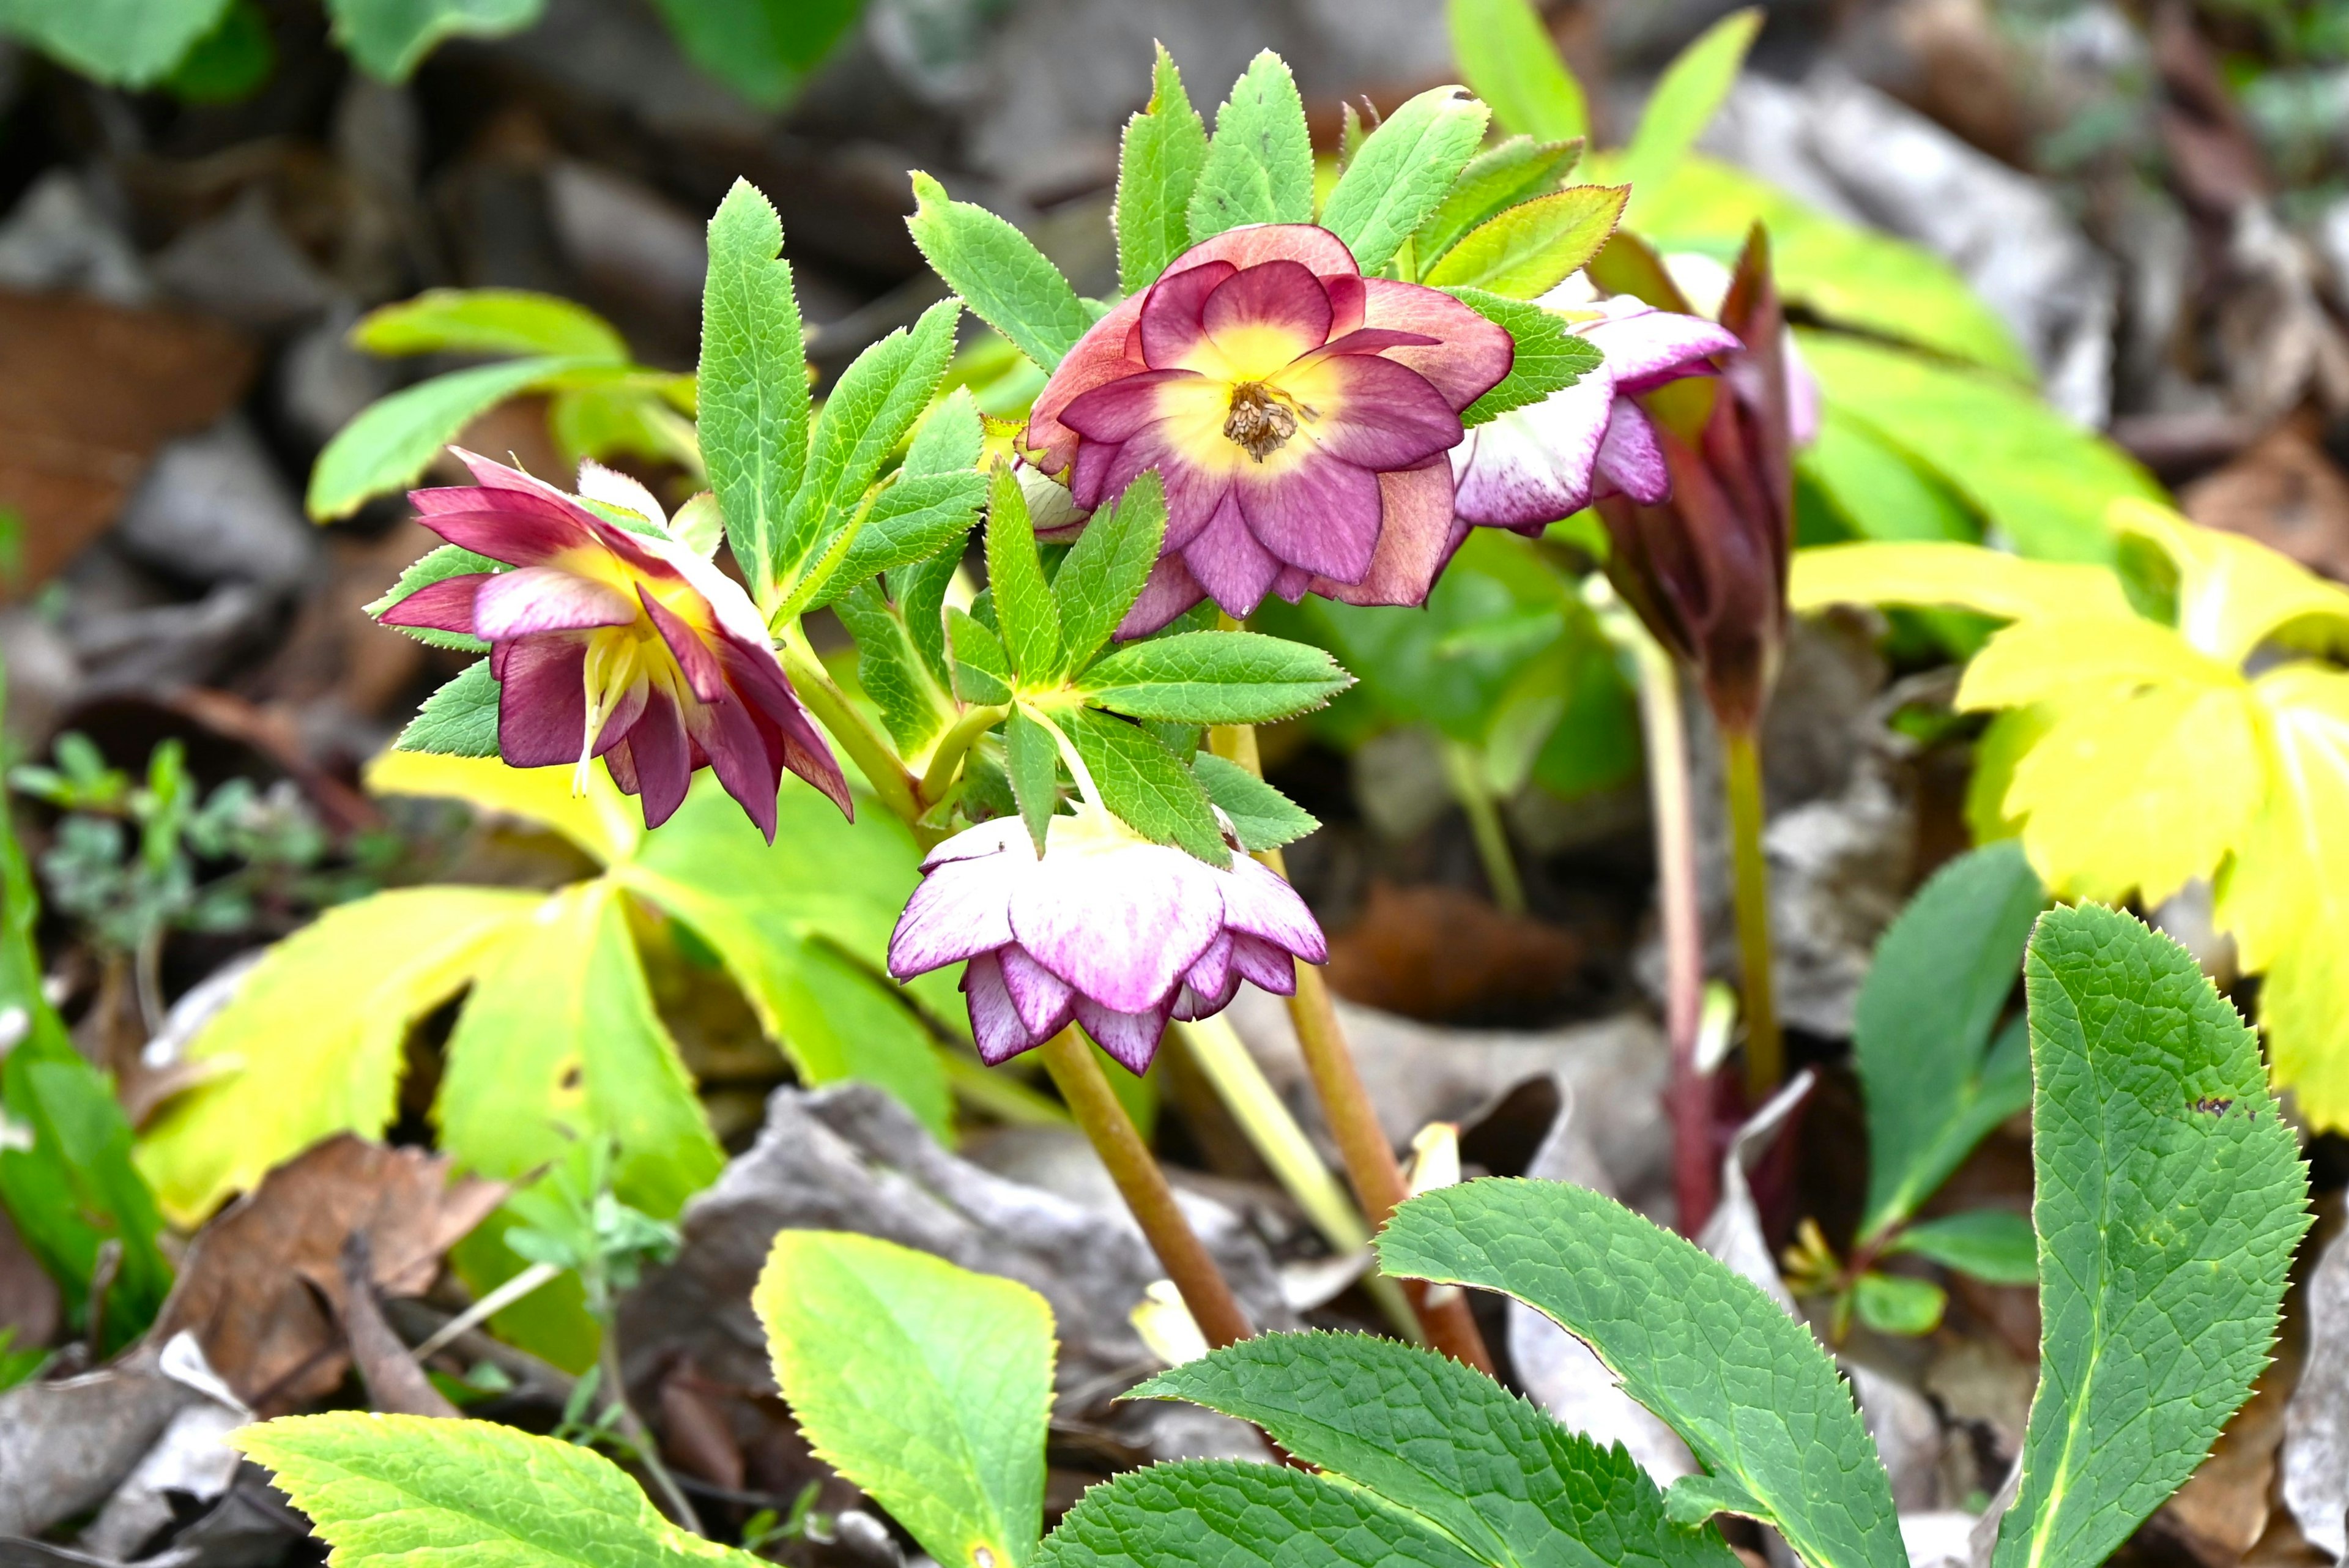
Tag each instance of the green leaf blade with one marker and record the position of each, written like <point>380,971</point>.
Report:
<point>1402,172</point>
<point>459,720</point>
<point>1499,178</point>
<point>1687,96</point>
<point>1510,62</point>
<point>1261,817</point>
<point>753,379</point>
<point>488,321</point>
<point>1991,1244</point>
<point>389,38</point>
<point>1237,1515</point>
<point>1158,167</point>
<point>1024,607</point>
<point>1109,566</point>
<point>998,272</point>
<point>1532,247</point>
<point>1550,357</point>
<point>395,439</point>
<point>1259,166</point>
<point>1144,786</point>
<point>1214,678</point>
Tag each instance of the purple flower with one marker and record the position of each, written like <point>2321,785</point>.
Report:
<point>1298,412</point>
<point>606,643</point>
<point>1531,466</point>
<point>1105,928</point>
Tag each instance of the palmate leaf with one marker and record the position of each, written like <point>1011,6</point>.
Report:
<point>1951,576</point>
<point>927,1384</point>
<point>1877,491</point>
<point>488,321</point>
<point>1262,816</point>
<point>1104,573</point>
<point>1447,1447</point>
<point>123,43</point>
<point>1549,357</point>
<point>2168,1198</point>
<point>763,49</point>
<point>1024,607</point>
<point>753,379</point>
<point>1143,784</point>
<point>436,566</point>
<point>1259,166</point>
<point>1745,1386</point>
<point>459,720</point>
<point>1158,167</point>
<point>606,825</point>
<point>1402,172</point>
<point>1498,178</point>
<point>913,696</point>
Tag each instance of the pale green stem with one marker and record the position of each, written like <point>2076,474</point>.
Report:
<point>1766,1052</point>
<point>953,746</point>
<point>871,750</point>
<point>1465,770</point>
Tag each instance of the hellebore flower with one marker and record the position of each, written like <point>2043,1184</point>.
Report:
<point>1531,466</point>
<point>1706,570</point>
<point>607,643</point>
<point>1104,927</point>
<point>1298,411</point>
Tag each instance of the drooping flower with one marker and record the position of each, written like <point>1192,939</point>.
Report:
<point>1104,927</point>
<point>1298,412</point>
<point>1531,466</point>
<point>613,644</point>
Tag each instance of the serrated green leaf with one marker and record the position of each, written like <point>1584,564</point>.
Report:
<point>1259,166</point>
<point>1747,1386</point>
<point>999,272</point>
<point>1144,786</point>
<point>981,671</point>
<point>927,1384</point>
<point>311,1042</point>
<point>559,1042</point>
<point>1495,180</point>
<point>1024,610</point>
<point>1031,762</point>
<point>1447,1444</point>
<point>488,321</point>
<point>802,925</point>
<point>1106,569</point>
<point>1894,1303</point>
<point>389,38</point>
<point>394,439</point>
<point>920,592</point>
<point>384,1488</point>
<point>915,704</point>
<point>2169,1196</point>
<point>436,566</point>
<point>1237,1515</point>
<point>1509,61</point>
<point>1693,1500</point>
<point>952,437</point>
<point>1921,1031</point>
<point>1992,1244</point>
<point>753,379</point>
<point>1214,678</point>
<point>123,43</point>
<point>1157,168</point>
<point>1687,96</point>
<point>913,519</point>
<point>1531,248</point>
<point>459,720</point>
<point>1549,357</point>
<point>1262,816</point>
<point>1402,172</point>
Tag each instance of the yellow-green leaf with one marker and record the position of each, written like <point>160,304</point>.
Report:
<point>1530,248</point>
<point>2234,593</point>
<point>311,1044</point>
<point>1951,576</point>
<point>2087,656</point>
<point>605,823</point>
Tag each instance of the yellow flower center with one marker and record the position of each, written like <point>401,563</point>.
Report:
<point>1260,420</point>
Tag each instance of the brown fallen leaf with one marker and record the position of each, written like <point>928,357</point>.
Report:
<point>2222,1510</point>
<point>247,1286</point>
<point>92,389</point>
<point>1440,954</point>
<point>2285,493</point>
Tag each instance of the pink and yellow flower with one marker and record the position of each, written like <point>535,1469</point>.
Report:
<point>1298,412</point>
<point>607,643</point>
<point>1105,929</point>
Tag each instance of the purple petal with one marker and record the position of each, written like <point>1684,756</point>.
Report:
<point>995,1023</point>
<point>990,837</point>
<point>751,671</point>
<point>1384,416</point>
<point>1265,966</point>
<point>546,598</point>
<point>657,749</point>
<point>1101,355</point>
<point>542,700</point>
<point>739,755</point>
<point>1170,590</point>
<point>1214,966</point>
<point>1259,903</point>
<point>1416,538</point>
<point>1293,584</point>
<point>1647,347</point>
<point>1121,925</point>
<point>1171,326</point>
<point>444,605</point>
<point>1281,297</point>
<point>1121,410</point>
<point>1041,997</point>
<point>1316,513</point>
<point>1629,460</point>
<point>1533,465</point>
<point>703,675</point>
<point>1470,354</point>
<point>1192,1004</point>
<point>960,910</point>
<point>517,530</point>
<point>1228,562</point>
<point>1130,1038</point>
<point>1370,341</point>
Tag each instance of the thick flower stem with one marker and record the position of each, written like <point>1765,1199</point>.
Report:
<point>946,757</point>
<point>864,744</point>
<point>1082,1083</point>
<point>1766,1054</point>
<point>1465,771</point>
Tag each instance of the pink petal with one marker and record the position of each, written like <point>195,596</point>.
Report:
<point>1264,966</point>
<point>1281,296</point>
<point>542,700</point>
<point>1100,356</point>
<point>1324,252</point>
<point>444,605</point>
<point>1230,565</point>
<point>995,1023</point>
<point>1171,326</point>
<point>1386,416</point>
<point>1319,513</point>
<point>1471,356</point>
<point>1533,465</point>
<point>755,676</point>
<point>1214,967</point>
<point>1415,540</point>
<point>1041,997</point>
<point>1346,298</point>
<point>1130,1038</point>
<point>1628,458</point>
<point>960,910</point>
<point>520,530</point>
<point>1259,903</point>
<point>1121,925</point>
<point>1802,395</point>
<point>546,598</point>
<point>658,754</point>
<point>1171,590</point>
<point>1647,347</point>
<point>993,837</point>
<point>1191,1005</point>
<point>749,769</point>
<point>1116,410</point>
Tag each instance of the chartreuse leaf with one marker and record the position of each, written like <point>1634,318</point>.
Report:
<point>1506,55</point>
<point>1024,607</point>
<point>1262,816</point>
<point>1104,572</point>
<point>1877,491</point>
<point>753,379</point>
<point>310,1046</point>
<point>802,925</point>
<point>387,1489</point>
<point>459,720</point>
<point>2039,478</point>
<point>2233,593</point>
<point>918,515</point>
<point>1445,1446</point>
<point>1143,784</point>
<point>1157,169</point>
<point>1031,761</point>
<point>1993,1244</point>
<point>1214,678</point>
<point>389,38</point>
<point>2168,1198</point>
<point>437,567</point>
<point>1951,576</point>
<point>488,321</point>
<point>1529,249</point>
<point>123,43</point>
<point>927,1384</point>
<point>1259,167</point>
<point>999,272</point>
<point>1921,1032</point>
<point>1235,1514</point>
<point>603,823</point>
<point>1686,96</point>
<point>1404,171</point>
<point>389,446</point>
<point>1496,179</point>
<point>559,1042</point>
<point>1549,357</point>
<point>1747,1386</point>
